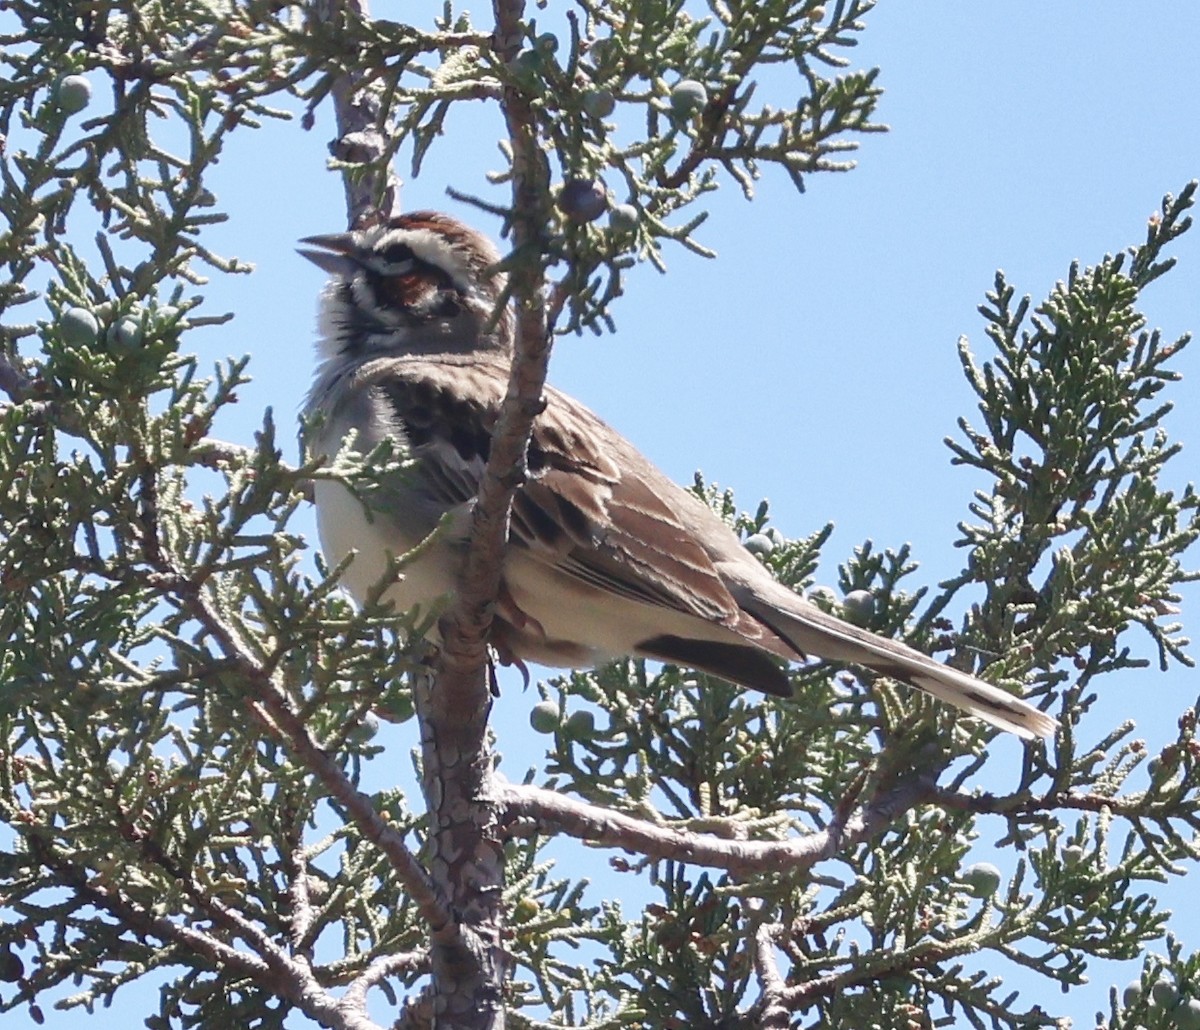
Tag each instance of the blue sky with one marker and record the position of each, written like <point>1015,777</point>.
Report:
<point>814,362</point>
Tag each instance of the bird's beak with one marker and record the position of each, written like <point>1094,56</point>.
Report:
<point>337,257</point>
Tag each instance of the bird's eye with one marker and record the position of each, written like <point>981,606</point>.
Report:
<point>397,254</point>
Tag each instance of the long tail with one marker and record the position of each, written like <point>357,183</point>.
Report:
<point>813,632</point>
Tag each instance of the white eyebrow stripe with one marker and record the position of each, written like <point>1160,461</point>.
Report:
<point>427,246</point>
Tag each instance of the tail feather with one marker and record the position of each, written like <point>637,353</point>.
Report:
<point>813,632</point>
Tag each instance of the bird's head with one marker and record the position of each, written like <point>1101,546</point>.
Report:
<point>417,283</point>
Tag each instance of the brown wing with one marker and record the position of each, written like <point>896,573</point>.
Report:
<point>581,509</point>
<point>592,508</point>
<point>596,509</point>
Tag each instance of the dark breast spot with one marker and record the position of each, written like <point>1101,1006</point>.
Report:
<point>470,441</point>
<point>430,415</point>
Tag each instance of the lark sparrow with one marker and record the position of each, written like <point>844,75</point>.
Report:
<point>606,557</point>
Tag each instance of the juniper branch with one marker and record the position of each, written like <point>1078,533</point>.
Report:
<point>553,812</point>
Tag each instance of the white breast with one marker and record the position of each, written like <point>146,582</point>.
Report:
<point>344,527</point>
<point>377,538</point>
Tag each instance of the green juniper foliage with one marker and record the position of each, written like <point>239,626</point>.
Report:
<point>190,709</point>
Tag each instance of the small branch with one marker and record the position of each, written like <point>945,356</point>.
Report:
<point>881,964</point>
<point>554,812</point>
<point>273,708</point>
<point>299,899</point>
<point>359,139</point>
<point>13,381</point>
<point>220,913</point>
<point>470,968</point>
<point>280,974</point>
<point>355,998</point>
<point>208,451</point>
<point>128,912</point>
<point>775,1015</point>
<point>1028,804</point>
<point>270,706</point>
<point>211,452</point>
<point>467,625</point>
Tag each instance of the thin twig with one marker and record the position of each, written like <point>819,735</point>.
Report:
<point>283,975</point>
<point>109,898</point>
<point>270,705</point>
<point>1043,804</point>
<point>13,381</point>
<point>299,899</point>
<point>554,812</point>
<point>468,856</point>
<point>355,998</point>
<point>359,136</point>
<point>775,1015</point>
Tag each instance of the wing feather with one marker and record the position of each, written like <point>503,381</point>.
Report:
<point>580,510</point>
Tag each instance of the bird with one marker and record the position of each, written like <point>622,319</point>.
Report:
<point>606,557</point>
